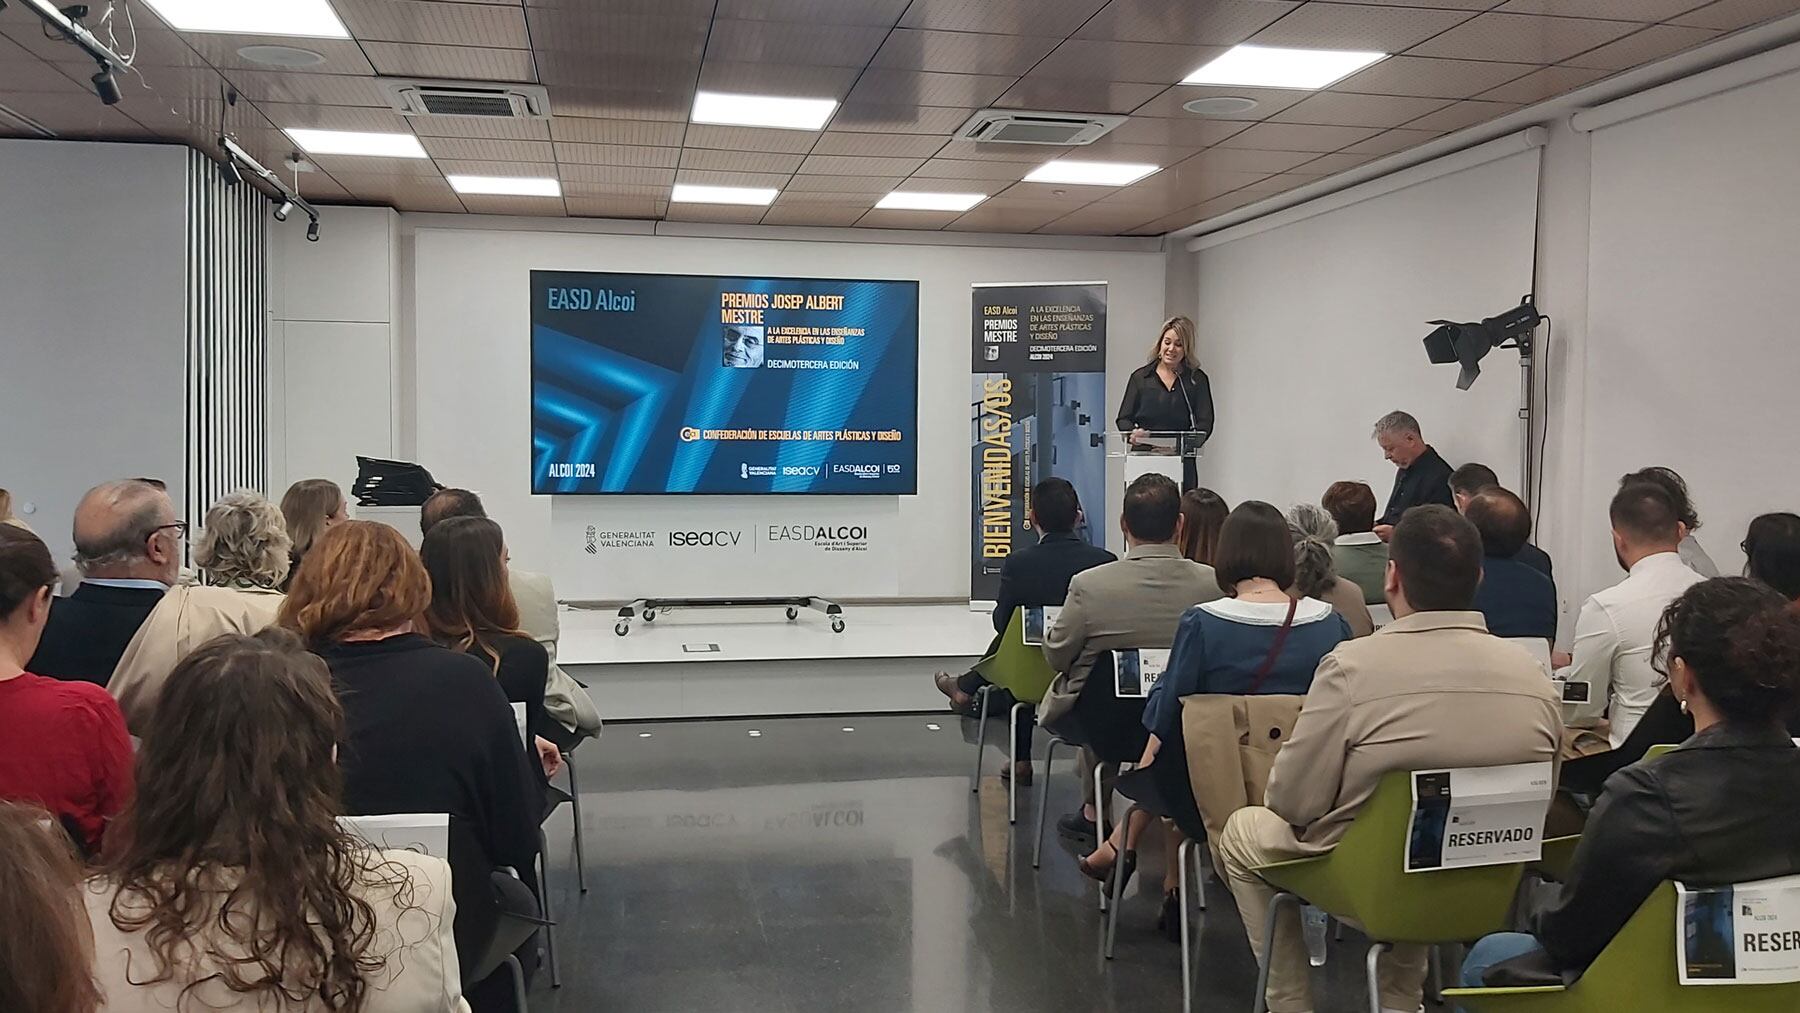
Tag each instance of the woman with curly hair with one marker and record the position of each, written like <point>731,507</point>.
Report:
<point>229,882</point>
<point>242,553</point>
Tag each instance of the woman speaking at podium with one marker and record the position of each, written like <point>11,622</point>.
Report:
<point>1170,394</point>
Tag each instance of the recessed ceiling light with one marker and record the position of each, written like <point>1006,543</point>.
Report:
<point>690,193</point>
<point>281,56</point>
<point>1220,105</point>
<point>515,186</point>
<point>919,200</point>
<point>1065,170</point>
<point>357,142</point>
<point>1275,67</point>
<point>312,18</point>
<point>762,110</point>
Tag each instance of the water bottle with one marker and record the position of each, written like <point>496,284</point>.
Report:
<point>1313,923</point>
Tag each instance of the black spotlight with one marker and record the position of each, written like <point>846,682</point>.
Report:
<point>105,86</point>
<point>1465,344</point>
<point>281,210</point>
<point>312,231</point>
<point>228,171</point>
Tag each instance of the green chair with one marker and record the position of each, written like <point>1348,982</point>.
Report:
<point>1363,881</point>
<point>1020,669</point>
<point>1635,972</point>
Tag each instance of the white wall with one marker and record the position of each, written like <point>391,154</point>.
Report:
<point>471,347</point>
<point>92,288</point>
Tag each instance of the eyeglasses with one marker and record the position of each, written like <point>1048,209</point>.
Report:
<point>180,527</point>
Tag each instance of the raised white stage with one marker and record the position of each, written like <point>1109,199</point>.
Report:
<point>765,664</point>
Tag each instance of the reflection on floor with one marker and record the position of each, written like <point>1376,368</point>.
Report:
<point>824,864</point>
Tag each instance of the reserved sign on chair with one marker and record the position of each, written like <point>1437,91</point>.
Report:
<point>1473,816</point>
<point>1743,934</point>
<point>1136,669</point>
<point>1039,619</point>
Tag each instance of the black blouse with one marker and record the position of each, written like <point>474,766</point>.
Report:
<point>1149,404</point>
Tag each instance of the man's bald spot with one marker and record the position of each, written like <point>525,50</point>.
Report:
<point>118,516</point>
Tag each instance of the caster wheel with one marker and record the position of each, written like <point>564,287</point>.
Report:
<point>837,626</point>
<point>621,628</point>
<point>792,613</point>
<point>649,615</point>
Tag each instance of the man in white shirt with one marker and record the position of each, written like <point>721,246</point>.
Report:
<point>1611,657</point>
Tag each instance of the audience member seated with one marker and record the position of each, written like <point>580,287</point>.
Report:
<point>46,957</point>
<point>1515,597</point>
<point>1315,573</point>
<point>1033,575</point>
<point>1423,477</point>
<point>427,729</point>
<point>473,611</point>
<point>1432,689</point>
<point>1716,811</point>
<point>1468,480</point>
<point>310,506</point>
<point>6,512</point>
<point>242,554</point>
<point>63,745</point>
<point>1202,515</point>
<point>565,700</point>
<point>128,550</point>
<point>229,883</point>
<point>1610,658</point>
<point>1259,639</point>
<point>1357,554</point>
<point>1691,551</point>
<point>1132,602</point>
<point>1772,552</point>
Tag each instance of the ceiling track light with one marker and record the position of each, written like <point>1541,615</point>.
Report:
<point>312,231</point>
<point>104,84</point>
<point>281,210</point>
<point>239,161</point>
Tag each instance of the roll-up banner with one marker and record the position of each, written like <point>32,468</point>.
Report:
<point>1038,362</point>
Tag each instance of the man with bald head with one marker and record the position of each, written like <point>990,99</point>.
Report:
<point>128,549</point>
<point>1517,599</point>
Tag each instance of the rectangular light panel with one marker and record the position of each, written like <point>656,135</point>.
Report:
<point>357,142</point>
<point>762,110</point>
<point>1065,170</point>
<point>919,200</point>
<point>309,18</point>
<point>515,186</point>
<point>1275,67</point>
<point>690,193</point>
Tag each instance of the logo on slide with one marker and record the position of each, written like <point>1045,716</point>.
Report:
<point>705,539</point>
<point>592,549</point>
<point>859,470</point>
<point>689,434</point>
<point>743,471</point>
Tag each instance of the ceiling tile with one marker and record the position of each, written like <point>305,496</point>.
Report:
<point>1616,10</point>
<point>1176,132</point>
<point>1269,101</point>
<point>705,135</point>
<point>1037,154</point>
<point>973,170</point>
<point>1357,26</point>
<point>1298,137</point>
<point>880,218</point>
<point>1051,94</point>
<point>20,72</point>
<point>402,193</point>
<point>618,175</point>
<point>1109,149</point>
<point>1446,5</point>
<point>493,167</point>
<point>899,119</point>
<point>1653,43</point>
<point>876,185</point>
<point>1523,38</point>
<point>1011,17</point>
<point>859,165</point>
<point>738,161</point>
<point>962,52</point>
<point>1218,23</point>
<point>559,68</point>
<point>796,79</point>
<point>623,103</point>
<point>781,42</point>
<point>601,31</point>
<point>342,56</point>
<point>724,214</point>
<point>568,153</point>
<point>75,115</point>
<point>1466,113</point>
<point>480,126</point>
<point>443,24</point>
<point>833,142</point>
<point>828,215</point>
<point>1429,78</point>
<point>1246,160</point>
<point>836,12</point>
<point>1338,161</point>
<point>156,46</point>
<point>403,59</point>
<point>361,165</point>
<point>614,191</point>
<point>718,177</point>
<point>1390,141</point>
<point>602,131</point>
<point>615,207</point>
<point>863,199</point>
<point>881,86</point>
<point>1730,15</point>
<point>1542,84</point>
<point>993,217</point>
<point>1358,110</point>
<point>1147,62</point>
<point>489,204</point>
<point>480,148</point>
<point>315,89</point>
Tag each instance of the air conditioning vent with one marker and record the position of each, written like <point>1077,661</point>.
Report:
<point>1014,126</point>
<point>468,98</point>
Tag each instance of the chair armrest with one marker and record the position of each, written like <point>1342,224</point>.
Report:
<point>1501,993</point>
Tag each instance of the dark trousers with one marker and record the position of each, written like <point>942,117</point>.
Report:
<point>999,703</point>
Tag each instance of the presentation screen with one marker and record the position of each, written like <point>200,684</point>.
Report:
<point>657,383</point>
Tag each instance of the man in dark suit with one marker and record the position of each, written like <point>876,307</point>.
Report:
<point>128,548</point>
<point>1517,599</point>
<point>1034,575</point>
<point>1423,476</point>
<point>1470,479</point>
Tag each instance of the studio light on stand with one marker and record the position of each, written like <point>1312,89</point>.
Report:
<point>1467,344</point>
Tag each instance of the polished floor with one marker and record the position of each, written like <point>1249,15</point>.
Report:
<point>825,864</point>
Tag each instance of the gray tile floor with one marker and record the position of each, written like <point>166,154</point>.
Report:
<point>815,868</point>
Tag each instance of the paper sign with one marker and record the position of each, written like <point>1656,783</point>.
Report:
<point>1136,669</point>
<point>1473,816</point>
<point>1039,619</point>
<point>1746,934</point>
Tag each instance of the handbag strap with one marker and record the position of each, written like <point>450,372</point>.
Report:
<point>1281,635</point>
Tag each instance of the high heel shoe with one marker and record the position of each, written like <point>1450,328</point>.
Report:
<point>1168,921</point>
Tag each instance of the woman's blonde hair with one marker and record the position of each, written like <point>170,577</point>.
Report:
<point>245,541</point>
<point>361,577</point>
<point>1184,329</point>
<point>307,505</point>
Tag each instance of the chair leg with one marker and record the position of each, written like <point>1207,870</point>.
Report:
<point>1012,757</point>
<point>1261,1003</point>
<point>1434,978</point>
<point>1187,956</point>
<point>544,902</point>
<point>1102,822</point>
<point>575,812</point>
<point>518,979</point>
<point>980,740</point>
<point>1373,965</point>
<point>1037,852</point>
<point>1117,882</point>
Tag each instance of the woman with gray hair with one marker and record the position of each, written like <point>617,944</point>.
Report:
<point>1315,575</point>
<point>242,555</point>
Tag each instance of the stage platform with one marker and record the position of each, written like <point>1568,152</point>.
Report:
<point>715,662</point>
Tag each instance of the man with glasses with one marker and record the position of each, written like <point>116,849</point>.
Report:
<point>128,549</point>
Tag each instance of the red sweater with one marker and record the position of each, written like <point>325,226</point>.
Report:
<point>63,746</point>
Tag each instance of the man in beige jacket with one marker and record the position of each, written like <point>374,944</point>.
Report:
<point>1432,689</point>
<point>1132,602</point>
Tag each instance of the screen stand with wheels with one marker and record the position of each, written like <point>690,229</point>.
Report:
<point>649,607</point>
